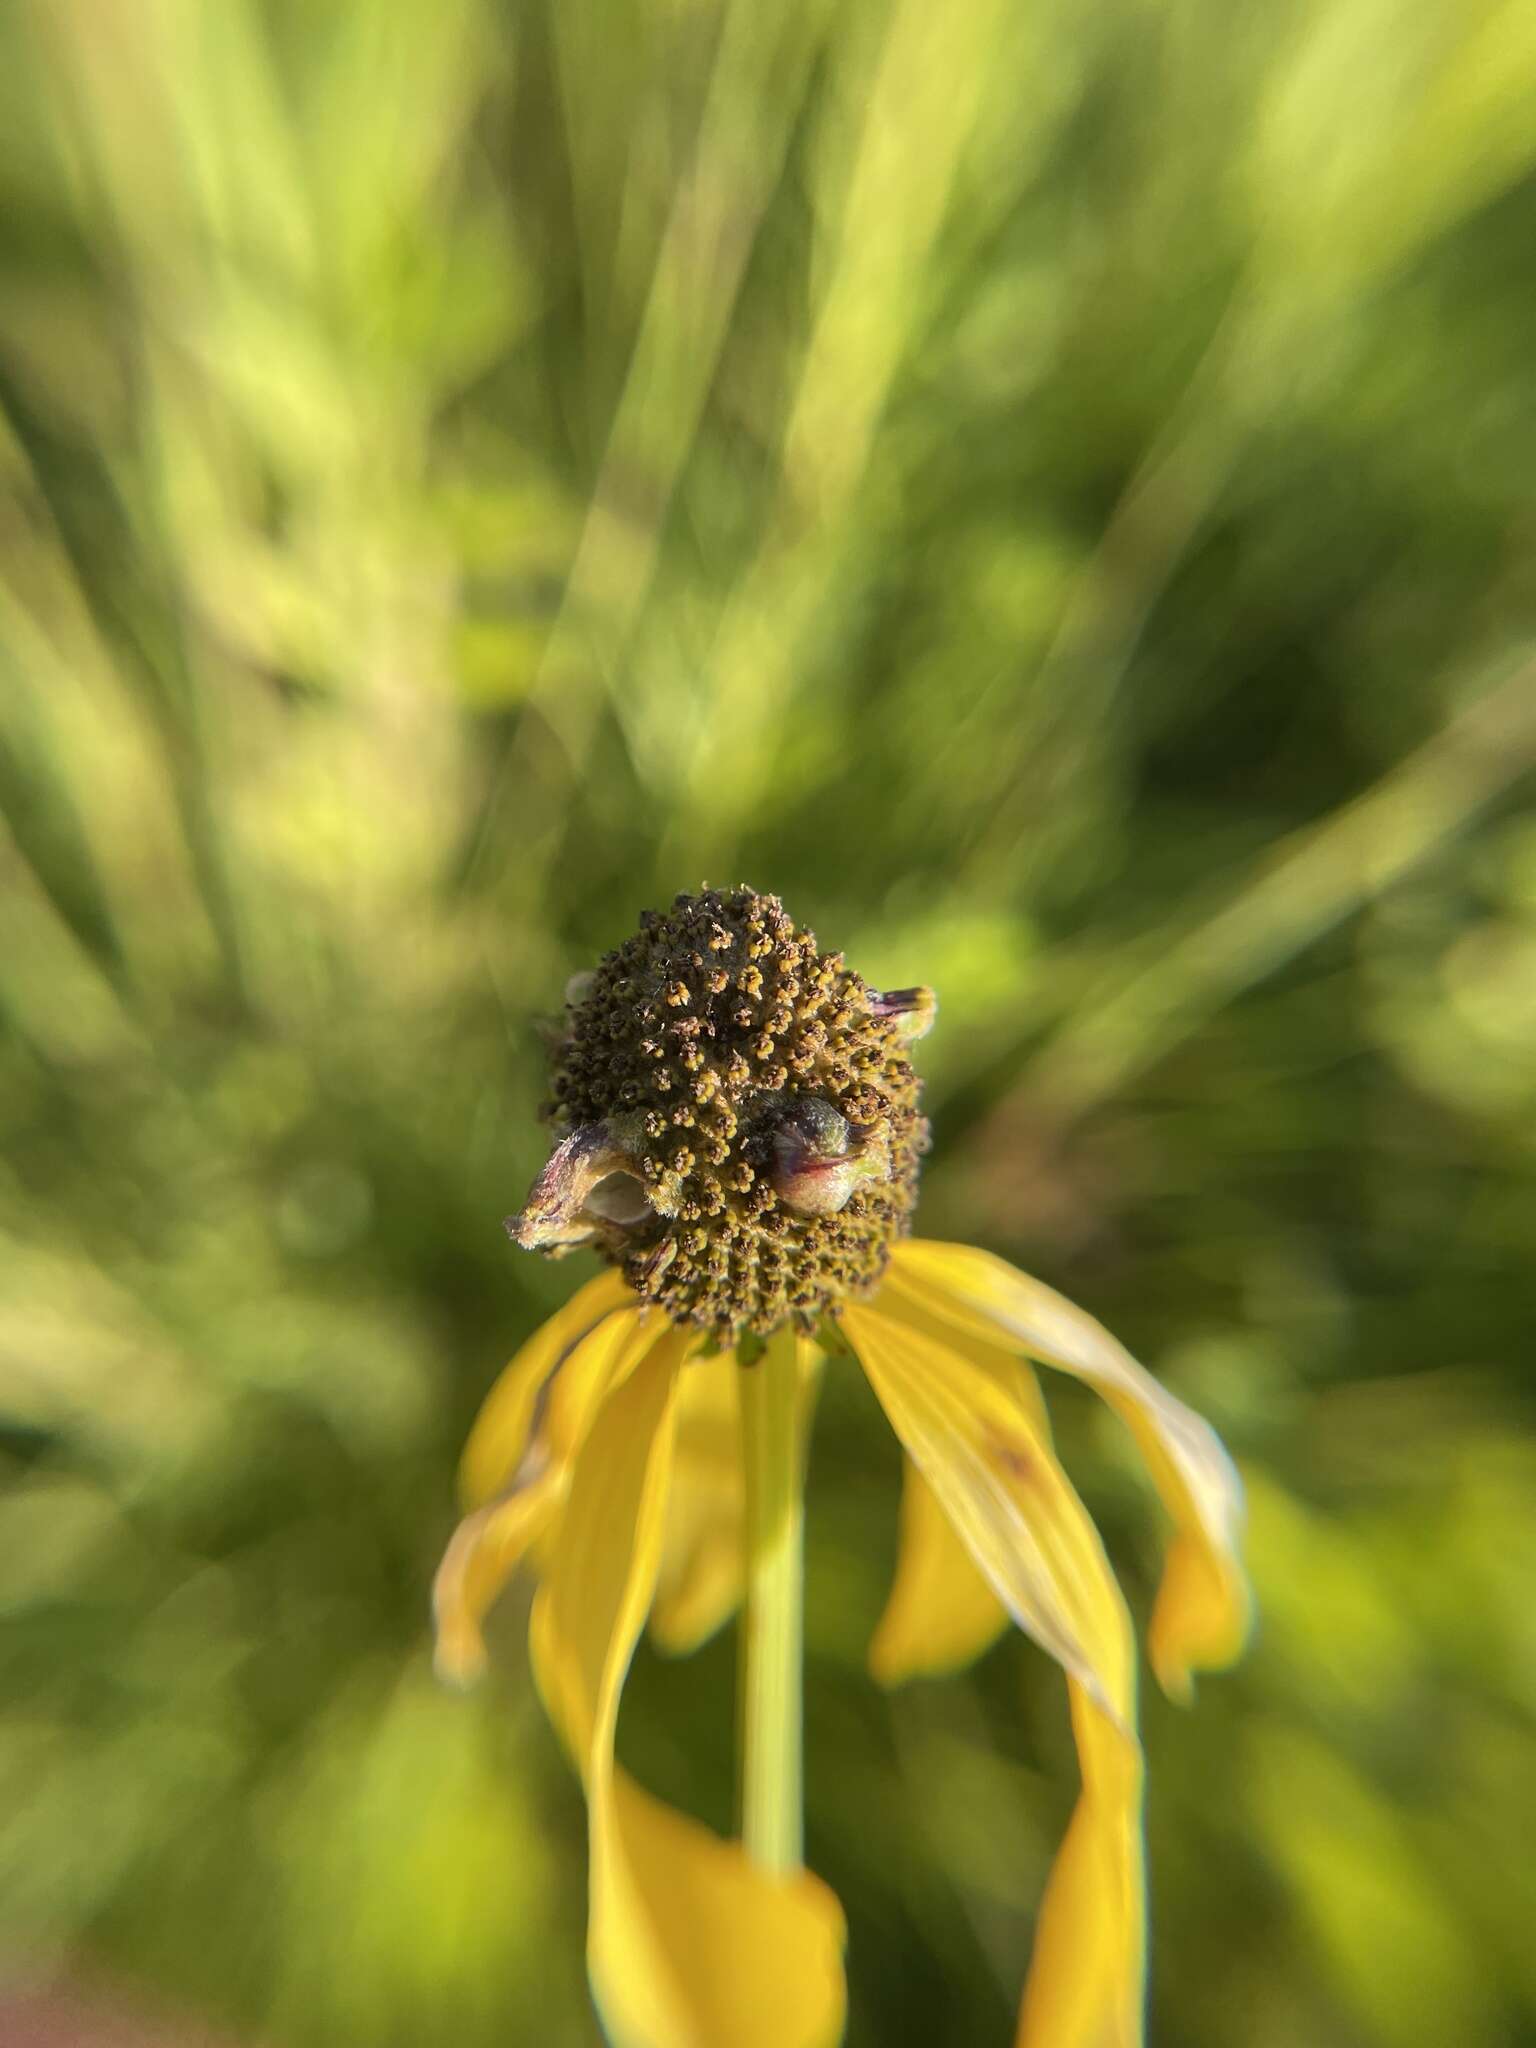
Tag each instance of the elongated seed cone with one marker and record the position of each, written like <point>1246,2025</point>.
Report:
<point>738,1118</point>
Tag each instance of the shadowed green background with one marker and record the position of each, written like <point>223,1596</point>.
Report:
<point>1046,489</point>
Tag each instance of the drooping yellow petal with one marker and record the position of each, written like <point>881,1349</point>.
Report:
<point>700,1581</point>
<point>564,1392</point>
<point>1087,1974</point>
<point>997,1478</point>
<point>1201,1616</point>
<point>501,1431</point>
<point>992,1470</point>
<point>689,1946</point>
<point>941,1613</point>
<point>482,1554</point>
<point>696,1947</point>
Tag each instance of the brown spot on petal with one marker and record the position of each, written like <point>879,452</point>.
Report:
<point>1014,1458</point>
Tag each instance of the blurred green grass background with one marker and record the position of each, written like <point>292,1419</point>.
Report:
<point>1049,491</point>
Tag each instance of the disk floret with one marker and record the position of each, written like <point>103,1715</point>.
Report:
<point>740,1120</point>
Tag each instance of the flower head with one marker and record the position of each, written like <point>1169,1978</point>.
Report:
<point>739,1139</point>
<point>742,1130</point>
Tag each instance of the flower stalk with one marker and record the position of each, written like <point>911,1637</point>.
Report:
<point>772,1432</point>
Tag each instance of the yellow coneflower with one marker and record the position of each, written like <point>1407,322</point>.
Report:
<point>741,1139</point>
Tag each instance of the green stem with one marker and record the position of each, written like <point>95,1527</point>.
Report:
<point>772,1416</point>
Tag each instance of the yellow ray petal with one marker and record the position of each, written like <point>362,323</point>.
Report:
<point>492,1540</point>
<point>996,1476</point>
<point>1087,1974</point>
<point>688,1945</point>
<point>500,1435</point>
<point>699,1585</point>
<point>941,1613</point>
<point>994,1473</point>
<point>1202,1611</point>
<point>482,1554</point>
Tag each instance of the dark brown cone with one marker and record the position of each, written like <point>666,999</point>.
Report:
<point>763,1104</point>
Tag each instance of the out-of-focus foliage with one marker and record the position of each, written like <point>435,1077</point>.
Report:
<point>1048,490</point>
